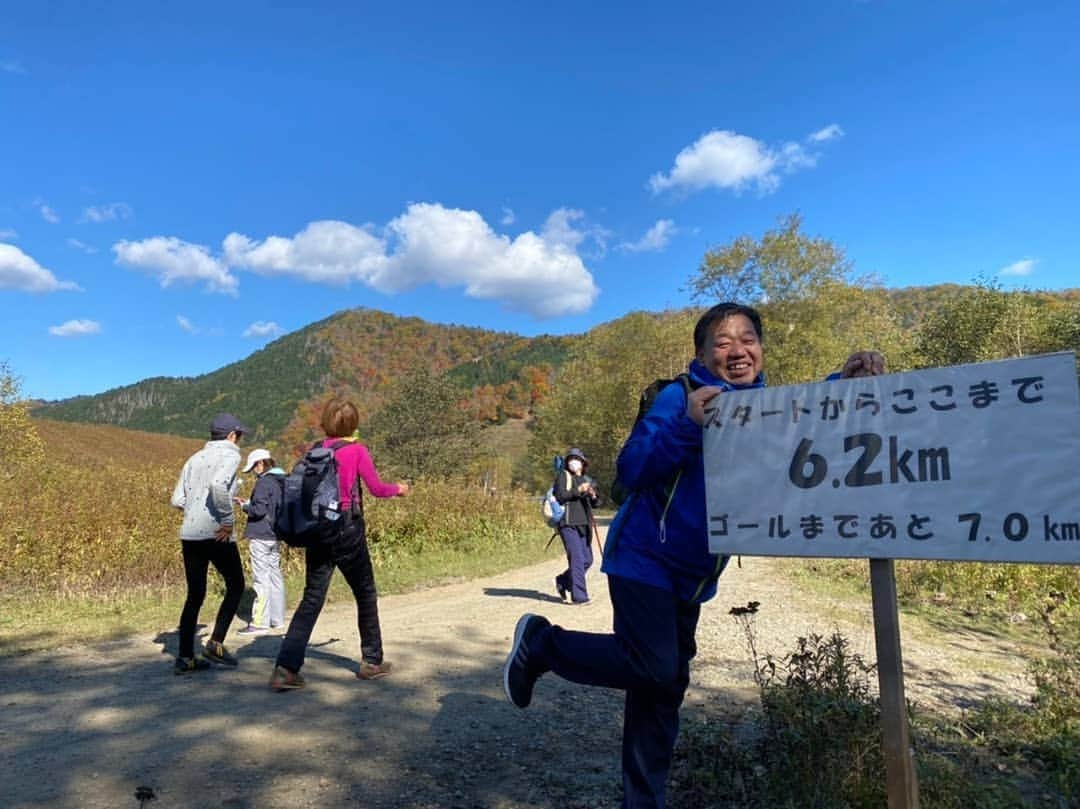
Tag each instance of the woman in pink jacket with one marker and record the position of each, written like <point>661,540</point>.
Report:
<point>347,550</point>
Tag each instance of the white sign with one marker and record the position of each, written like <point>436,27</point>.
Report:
<point>973,462</point>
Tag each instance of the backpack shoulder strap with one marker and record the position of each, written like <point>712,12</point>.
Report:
<point>688,382</point>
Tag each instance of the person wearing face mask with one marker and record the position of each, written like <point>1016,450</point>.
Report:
<point>657,559</point>
<point>575,490</point>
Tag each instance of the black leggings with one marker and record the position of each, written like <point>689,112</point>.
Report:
<point>198,556</point>
<point>348,551</point>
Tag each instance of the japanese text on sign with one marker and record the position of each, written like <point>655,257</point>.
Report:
<point>972,462</point>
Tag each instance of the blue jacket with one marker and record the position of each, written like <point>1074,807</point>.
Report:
<point>659,536</point>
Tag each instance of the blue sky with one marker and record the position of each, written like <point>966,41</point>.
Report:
<point>181,183</point>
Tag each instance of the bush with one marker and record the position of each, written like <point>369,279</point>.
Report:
<point>816,739</point>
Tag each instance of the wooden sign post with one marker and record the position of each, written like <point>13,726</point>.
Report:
<point>903,786</point>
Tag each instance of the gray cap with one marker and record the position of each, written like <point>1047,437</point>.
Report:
<point>225,423</point>
<point>574,452</point>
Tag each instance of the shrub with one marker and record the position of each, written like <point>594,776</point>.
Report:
<point>94,517</point>
<point>815,740</point>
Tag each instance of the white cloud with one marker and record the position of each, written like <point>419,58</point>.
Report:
<point>174,261</point>
<point>110,212</point>
<point>12,66</point>
<point>263,328</point>
<point>86,248</point>
<point>561,228</point>
<point>47,213</point>
<point>19,271</point>
<point>727,160</point>
<point>826,134</point>
<point>186,325</point>
<point>656,238</point>
<point>7,234</point>
<point>1023,267</point>
<point>328,252</point>
<point>508,217</point>
<point>539,274</point>
<point>75,328</point>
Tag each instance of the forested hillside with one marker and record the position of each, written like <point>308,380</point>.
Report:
<point>360,353</point>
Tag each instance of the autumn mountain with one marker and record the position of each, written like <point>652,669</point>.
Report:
<point>360,353</point>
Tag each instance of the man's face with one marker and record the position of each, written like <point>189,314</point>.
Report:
<point>732,350</point>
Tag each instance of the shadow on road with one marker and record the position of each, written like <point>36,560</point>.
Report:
<point>87,726</point>
<point>515,592</point>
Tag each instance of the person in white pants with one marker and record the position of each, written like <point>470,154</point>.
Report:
<point>268,611</point>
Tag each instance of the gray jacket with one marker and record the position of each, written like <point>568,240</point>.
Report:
<point>205,490</point>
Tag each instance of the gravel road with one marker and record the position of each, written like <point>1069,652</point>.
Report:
<point>85,726</point>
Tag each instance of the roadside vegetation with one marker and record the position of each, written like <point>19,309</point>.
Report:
<point>90,551</point>
<point>814,739</point>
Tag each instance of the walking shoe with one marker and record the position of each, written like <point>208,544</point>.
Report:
<point>374,671</point>
<point>518,676</point>
<point>284,680</point>
<point>560,589</point>
<point>215,650</point>
<point>189,665</point>
<point>251,629</point>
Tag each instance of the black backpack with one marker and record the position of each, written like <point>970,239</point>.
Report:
<point>310,513</point>
<point>619,490</point>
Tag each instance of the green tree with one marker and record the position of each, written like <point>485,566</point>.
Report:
<point>784,265</point>
<point>815,311</point>
<point>422,430</point>
<point>595,397</point>
<point>984,322</point>
<point>20,444</point>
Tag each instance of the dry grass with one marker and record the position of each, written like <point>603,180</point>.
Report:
<point>90,547</point>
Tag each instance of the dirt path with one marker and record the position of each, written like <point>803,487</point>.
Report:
<point>84,726</point>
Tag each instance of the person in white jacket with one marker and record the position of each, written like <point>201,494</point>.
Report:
<point>205,494</point>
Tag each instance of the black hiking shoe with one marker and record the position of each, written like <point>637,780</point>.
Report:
<point>189,665</point>
<point>519,676</point>
<point>215,650</point>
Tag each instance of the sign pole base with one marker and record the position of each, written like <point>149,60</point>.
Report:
<point>901,781</point>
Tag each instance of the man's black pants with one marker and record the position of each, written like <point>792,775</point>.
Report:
<point>198,556</point>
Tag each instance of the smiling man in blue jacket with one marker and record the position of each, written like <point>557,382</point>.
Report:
<point>657,559</point>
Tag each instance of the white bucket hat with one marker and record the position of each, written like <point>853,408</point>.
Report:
<point>255,456</point>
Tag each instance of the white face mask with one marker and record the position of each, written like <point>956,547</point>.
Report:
<point>574,465</point>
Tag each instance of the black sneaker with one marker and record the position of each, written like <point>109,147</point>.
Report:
<point>518,677</point>
<point>560,589</point>
<point>189,665</point>
<point>215,650</point>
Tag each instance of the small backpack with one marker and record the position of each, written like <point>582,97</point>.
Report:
<point>309,513</point>
<point>551,508</point>
<point>619,490</point>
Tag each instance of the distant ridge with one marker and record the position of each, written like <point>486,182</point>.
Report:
<point>361,353</point>
<point>357,352</point>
